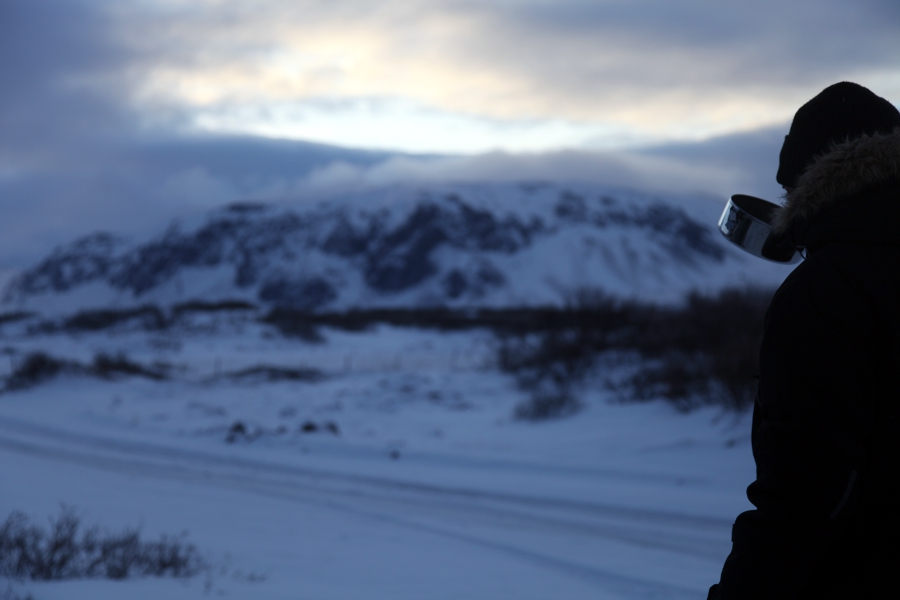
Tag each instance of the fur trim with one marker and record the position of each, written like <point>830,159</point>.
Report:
<point>846,169</point>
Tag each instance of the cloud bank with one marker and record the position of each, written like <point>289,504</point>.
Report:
<point>124,114</point>
<point>576,71</point>
<point>441,75</point>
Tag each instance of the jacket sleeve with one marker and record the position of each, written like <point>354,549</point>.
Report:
<point>811,419</point>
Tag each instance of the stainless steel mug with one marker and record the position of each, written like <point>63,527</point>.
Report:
<point>747,223</point>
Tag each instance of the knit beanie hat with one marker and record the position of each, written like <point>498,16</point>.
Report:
<point>841,112</point>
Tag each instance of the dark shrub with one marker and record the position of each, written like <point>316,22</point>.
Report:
<point>270,373</point>
<point>148,317</point>
<point>237,431</point>
<point>107,367</point>
<point>708,350</point>
<point>557,356</point>
<point>510,320</point>
<point>680,378</point>
<point>704,352</point>
<point>312,427</point>
<point>294,324</point>
<point>548,405</point>
<point>66,551</point>
<point>700,353</point>
<point>36,368</point>
<point>12,317</point>
<point>211,307</point>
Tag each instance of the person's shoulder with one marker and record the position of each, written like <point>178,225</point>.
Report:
<point>833,289</point>
<point>838,261</point>
<point>820,280</point>
<point>801,278</point>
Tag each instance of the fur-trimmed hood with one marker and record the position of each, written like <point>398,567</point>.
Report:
<point>847,169</point>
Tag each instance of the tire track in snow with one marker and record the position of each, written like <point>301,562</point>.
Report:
<point>433,509</point>
<point>146,450</point>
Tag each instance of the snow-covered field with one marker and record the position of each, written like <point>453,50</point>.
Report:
<point>415,483</point>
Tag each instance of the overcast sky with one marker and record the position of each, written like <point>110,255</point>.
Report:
<point>117,112</point>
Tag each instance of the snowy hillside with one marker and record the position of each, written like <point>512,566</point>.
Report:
<point>374,458</point>
<point>450,245</point>
<point>379,464</point>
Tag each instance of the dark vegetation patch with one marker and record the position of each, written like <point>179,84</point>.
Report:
<point>548,404</point>
<point>704,352</point>
<point>12,317</point>
<point>295,324</point>
<point>196,306</point>
<point>67,550</point>
<point>239,431</point>
<point>148,317</point>
<point>109,367</point>
<point>313,427</point>
<point>272,373</point>
<point>305,324</point>
<point>701,352</point>
<point>38,367</point>
<point>502,320</point>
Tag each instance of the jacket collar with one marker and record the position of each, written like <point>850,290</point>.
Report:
<point>845,170</point>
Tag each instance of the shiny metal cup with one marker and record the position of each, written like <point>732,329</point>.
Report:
<point>747,223</point>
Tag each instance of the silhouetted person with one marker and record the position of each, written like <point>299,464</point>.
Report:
<point>826,424</point>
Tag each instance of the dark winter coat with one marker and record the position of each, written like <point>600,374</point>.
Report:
<point>826,425</point>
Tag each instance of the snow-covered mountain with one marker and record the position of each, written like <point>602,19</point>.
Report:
<point>438,245</point>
